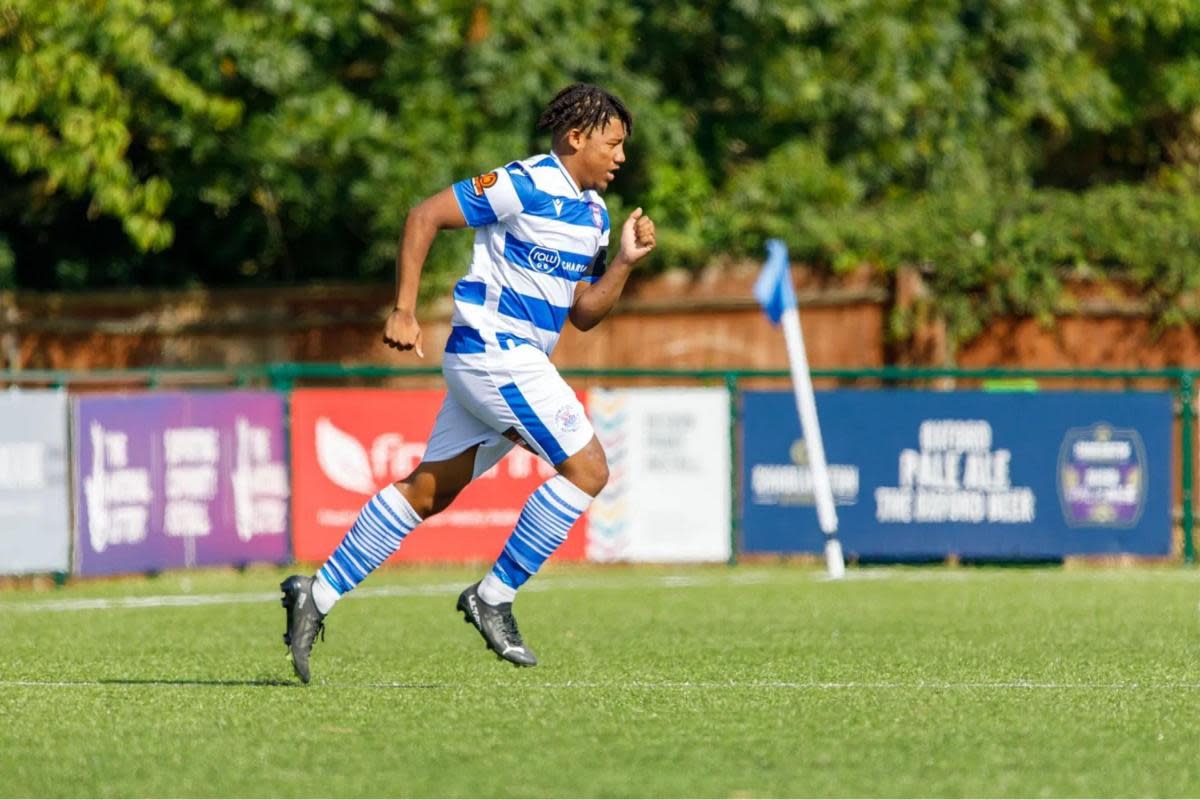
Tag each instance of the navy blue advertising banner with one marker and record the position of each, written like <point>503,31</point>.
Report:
<point>922,475</point>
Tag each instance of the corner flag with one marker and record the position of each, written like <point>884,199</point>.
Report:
<point>774,285</point>
<point>774,291</point>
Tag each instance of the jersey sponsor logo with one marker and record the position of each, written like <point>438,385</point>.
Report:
<point>543,259</point>
<point>485,181</point>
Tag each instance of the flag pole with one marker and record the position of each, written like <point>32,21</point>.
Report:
<point>806,406</point>
<point>774,290</point>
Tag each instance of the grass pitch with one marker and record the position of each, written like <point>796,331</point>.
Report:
<point>746,681</point>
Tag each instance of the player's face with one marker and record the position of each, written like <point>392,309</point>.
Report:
<point>602,154</point>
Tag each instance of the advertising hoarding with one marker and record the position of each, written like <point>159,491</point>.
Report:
<point>348,444</point>
<point>921,474</point>
<point>668,494</point>
<point>178,479</point>
<point>35,507</point>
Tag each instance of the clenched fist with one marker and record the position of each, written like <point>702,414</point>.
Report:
<point>403,332</point>
<point>637,236</point>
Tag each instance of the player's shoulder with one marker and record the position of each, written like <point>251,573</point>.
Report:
<point>519,167</point>
<point>537,161</point>
<point>547,174</point>
<point>528,167</point>
<point>541,165</point>
<point>524,174</point>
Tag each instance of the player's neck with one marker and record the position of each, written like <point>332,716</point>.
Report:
<point>570,165</point>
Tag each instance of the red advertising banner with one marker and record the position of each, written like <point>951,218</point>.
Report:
<point>348,444</point>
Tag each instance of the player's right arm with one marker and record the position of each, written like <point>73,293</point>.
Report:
<point>475,202</point>
<point>439,212</point>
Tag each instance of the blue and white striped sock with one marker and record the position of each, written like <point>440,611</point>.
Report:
<point>381,525</point>
<point>547,516</point>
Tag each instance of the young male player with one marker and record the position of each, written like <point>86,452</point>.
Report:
<point>541,239</point>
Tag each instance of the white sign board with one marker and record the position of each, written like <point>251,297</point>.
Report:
<point>35,506</point>
<point>668,495</point>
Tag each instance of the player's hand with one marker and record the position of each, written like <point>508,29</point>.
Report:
<point>403,332</point>
<point>637,236</point>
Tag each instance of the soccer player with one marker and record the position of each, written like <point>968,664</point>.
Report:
<point>540,258</point>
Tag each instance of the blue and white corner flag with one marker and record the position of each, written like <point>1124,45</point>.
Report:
<point>774,291</point>
<point>774,285</point>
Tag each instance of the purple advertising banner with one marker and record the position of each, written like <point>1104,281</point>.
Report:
<point>167,480</point>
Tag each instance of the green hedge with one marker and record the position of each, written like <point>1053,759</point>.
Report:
<point>159,143</point>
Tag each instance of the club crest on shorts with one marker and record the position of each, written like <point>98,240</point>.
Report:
<point>568,418</point>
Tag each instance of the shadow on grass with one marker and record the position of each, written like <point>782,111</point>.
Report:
<point>256,682</point>
<point>193,682</point>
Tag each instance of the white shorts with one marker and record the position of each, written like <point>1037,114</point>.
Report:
<point>504,397</point>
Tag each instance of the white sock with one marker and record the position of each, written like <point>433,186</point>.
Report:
<point>494,591</point>
<point>323,594</point>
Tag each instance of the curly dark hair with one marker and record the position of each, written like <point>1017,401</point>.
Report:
<point>583,106</point>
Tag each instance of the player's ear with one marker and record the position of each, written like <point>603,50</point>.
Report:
<point>575,137</point>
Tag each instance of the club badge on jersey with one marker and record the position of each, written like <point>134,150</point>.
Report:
<point>485,181</point>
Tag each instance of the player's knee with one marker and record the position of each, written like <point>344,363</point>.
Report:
<point>420,495</point>
<point>587,469</point>
<point>442,501</point>
<point>433,485</point>
<point>591,476</point>
<point>600,476</point>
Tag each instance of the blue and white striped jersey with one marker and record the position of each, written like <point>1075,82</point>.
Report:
<point>537,236</point>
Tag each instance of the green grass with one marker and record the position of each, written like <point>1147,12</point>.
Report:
<point>751,681</point>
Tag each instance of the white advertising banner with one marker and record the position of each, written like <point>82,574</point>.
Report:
<point>668,495</point>
<point>35,505</point>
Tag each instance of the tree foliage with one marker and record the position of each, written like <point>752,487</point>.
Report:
<point>221,142</point>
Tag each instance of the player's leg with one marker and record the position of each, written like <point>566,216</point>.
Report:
<point>384,522</point>
<point>381,526</point>
<point>587,469</point>
<point>547,517</point>
<point>457,446</point>
<point>532,403</point>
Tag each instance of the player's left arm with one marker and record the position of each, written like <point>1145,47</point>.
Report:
<point>594,301</point>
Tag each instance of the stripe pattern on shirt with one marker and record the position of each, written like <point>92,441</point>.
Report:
<point>537,237</point>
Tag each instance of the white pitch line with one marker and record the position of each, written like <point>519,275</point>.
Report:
<point>735,577</point>
<point>154,601</point>
<point>185,600</point>
<point>418,590</point>
<point>817,685</point>
<point>636,685</point>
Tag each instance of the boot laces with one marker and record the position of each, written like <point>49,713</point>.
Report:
<point>509,623</point>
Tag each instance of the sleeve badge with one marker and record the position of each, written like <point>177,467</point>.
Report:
<point>485,181</point>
